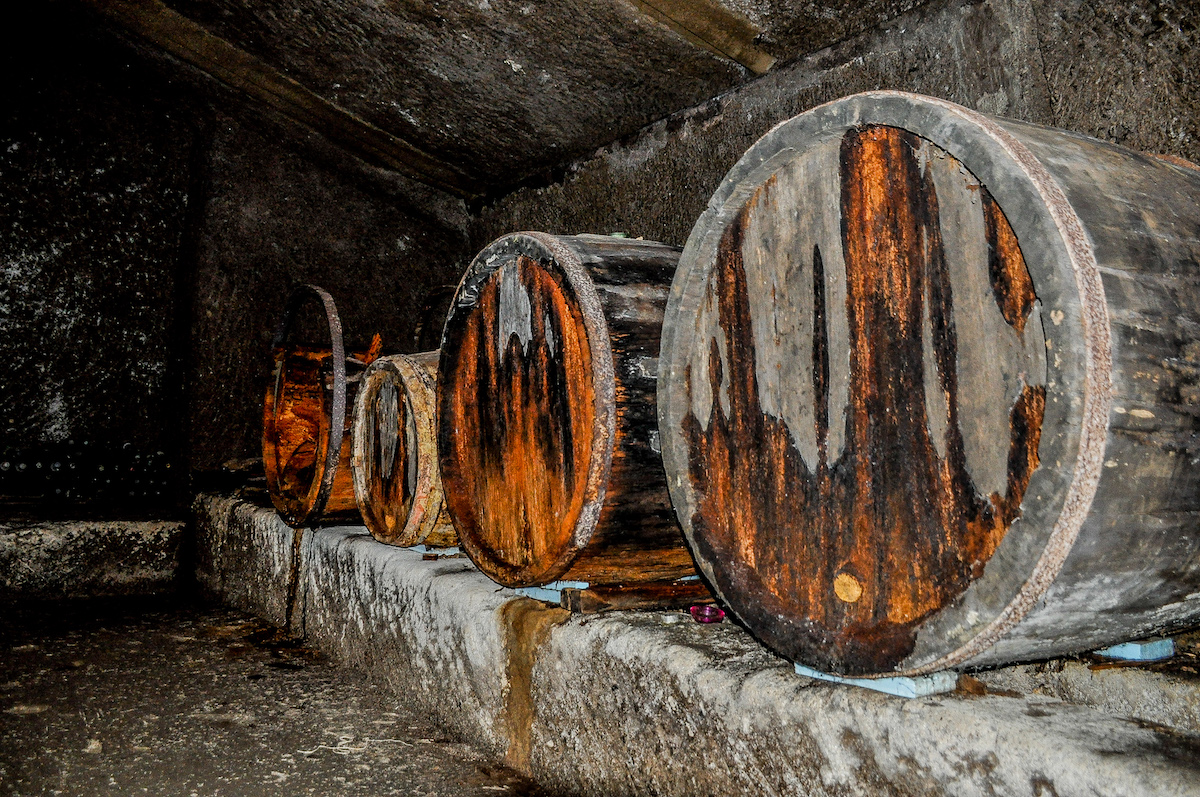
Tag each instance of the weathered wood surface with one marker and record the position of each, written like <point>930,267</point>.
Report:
<point>305,419</point>
<point>394,453</point>
<point>547,436</point>
<point>295,435</point>
<point>896,376</point>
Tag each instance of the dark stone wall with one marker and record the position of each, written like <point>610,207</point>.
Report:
<point>151,228</point>
<point>1126,73</point>
<point>95,178</point>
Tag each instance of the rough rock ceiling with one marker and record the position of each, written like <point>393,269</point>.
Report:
<point>502,90</point>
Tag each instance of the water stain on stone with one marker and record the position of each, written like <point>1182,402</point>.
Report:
<point>527,626</point>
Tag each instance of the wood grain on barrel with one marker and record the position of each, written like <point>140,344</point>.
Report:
<point>394,453</point>
<point>867,392</point>
<point>548,434</point>
<point>295,418</point>
<point>295,430</point>
<point>523,414</point>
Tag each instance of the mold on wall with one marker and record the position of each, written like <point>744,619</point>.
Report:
<point>95,158</point>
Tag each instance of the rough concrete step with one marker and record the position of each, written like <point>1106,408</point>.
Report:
<point>72,559</point>
<point>644,703</point>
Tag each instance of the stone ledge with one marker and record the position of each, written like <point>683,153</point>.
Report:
<point>1133,692</point>
<point>644,703</point>
<point>70,559</point>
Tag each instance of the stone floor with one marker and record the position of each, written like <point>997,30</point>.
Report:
<point>150,696</point>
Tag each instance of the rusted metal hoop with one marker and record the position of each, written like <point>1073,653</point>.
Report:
<point>318,493</point>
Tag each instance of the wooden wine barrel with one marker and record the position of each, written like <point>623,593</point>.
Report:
<point>930,385</point>
<point>306,451</point>
<point>546,423</point>
<point>394,453</point>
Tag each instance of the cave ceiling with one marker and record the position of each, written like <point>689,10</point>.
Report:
<point>491,93</point>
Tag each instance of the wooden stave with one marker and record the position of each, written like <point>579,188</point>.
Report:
<point>1080,433</point>
<point>427,521</point>
<point>626,482</point>
<point>637,514</point>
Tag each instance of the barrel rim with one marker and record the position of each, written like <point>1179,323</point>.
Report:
<point>1052,220</point>
<point>407,374</point>
<point>563,254</point>
<point>304,511</point>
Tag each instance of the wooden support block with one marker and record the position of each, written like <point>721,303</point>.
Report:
<point>663,595</point>
<point>452,550</point>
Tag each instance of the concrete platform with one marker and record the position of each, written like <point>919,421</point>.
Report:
<point>652,703</point>
<point>71,559</point>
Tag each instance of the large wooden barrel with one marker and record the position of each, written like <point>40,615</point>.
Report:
<point>547,433</point>
<point>306,448</point>
<point>394,453</point>
<point>929,389</point>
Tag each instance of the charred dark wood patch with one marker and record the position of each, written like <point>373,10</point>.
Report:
<point>820,357</point>
<point>1010,279</point>
<point>836,562</point>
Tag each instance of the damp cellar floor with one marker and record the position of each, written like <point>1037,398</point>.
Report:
<point>167,697</point>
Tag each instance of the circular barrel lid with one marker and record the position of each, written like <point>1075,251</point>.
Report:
<point>874,385</point>
<point>525,409</point>
<point>394,453</point>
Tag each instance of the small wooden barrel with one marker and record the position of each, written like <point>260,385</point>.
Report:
<point>394,453</point>
<point>306,451</point>
<point>546,422</point>
<point>929,391</point>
